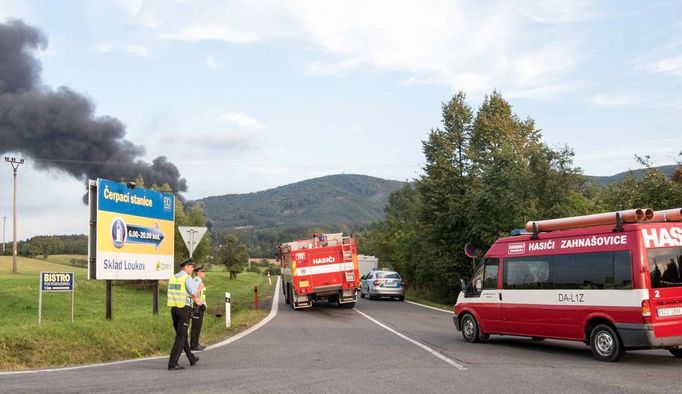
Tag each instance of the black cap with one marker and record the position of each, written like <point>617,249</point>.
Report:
<point>201,268</point>
<point>186,261</point>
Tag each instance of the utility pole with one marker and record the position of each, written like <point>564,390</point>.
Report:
<point>3,233</point>
<point>15,164</point>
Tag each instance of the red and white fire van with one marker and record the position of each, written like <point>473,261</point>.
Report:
<point>324,267</point>
<point>613,281</point>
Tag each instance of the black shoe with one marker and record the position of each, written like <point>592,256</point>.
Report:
<point>198,348</point>
<point>176,368</point>
<point>193,363</point>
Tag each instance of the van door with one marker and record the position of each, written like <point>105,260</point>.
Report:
<point>485,288</point>
<point>522,298</point>
<point>665,293</point>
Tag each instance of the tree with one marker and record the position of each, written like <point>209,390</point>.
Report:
<point>485,174</point>
<point>654,190</point>
<point>233,255</point>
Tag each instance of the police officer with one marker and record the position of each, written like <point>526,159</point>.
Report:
<point>198,315</point>
<point>181,294</point>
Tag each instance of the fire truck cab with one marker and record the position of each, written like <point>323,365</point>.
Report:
<point>323,268</point>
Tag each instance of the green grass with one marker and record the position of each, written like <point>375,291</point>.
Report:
<point>420,298</point>
<point>133,331</point>
<point>64,259</point>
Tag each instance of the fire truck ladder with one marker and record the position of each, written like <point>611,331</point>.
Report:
<point>347,249</point>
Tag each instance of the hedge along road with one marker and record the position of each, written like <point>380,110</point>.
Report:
<point>388,347</point>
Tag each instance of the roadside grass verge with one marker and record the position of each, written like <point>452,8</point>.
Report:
<point>133,332</point>
<point>415,296</point>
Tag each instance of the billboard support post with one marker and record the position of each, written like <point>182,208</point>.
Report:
<point>155,298</point>
<point>108,302</point>
<point>92,235</point>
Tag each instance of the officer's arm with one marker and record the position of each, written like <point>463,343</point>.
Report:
<point>191,288</point>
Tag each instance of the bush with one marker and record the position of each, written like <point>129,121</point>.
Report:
<point>263,263</point>
<point>274,270</point>
<point>79,263</point>
<point>253,268</point>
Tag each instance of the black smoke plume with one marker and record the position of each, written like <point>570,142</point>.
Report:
<point>58,128</point>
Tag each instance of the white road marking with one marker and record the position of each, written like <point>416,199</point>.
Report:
<point>427,306</point>
<point>421,345</point>
<point>270,316</point>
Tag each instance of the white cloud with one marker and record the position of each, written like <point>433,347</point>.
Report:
<point>241,119</point>
<point>102,48</point>
<point>670,65</point>
<point>137,50</point>
<point>211,62</point>
<point>474,46</point>
<point>237,141</point>
<point>614,100</point>
<point>212,32</point>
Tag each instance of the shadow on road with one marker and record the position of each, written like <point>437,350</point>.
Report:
<point>571,348</point>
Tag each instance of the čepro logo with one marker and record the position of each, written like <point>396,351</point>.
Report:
<point>119,232</point>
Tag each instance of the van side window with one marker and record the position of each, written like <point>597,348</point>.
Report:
<point>490,275</point>
<point>599,270</point>
<point>527,272</point>
<point>622,270</point>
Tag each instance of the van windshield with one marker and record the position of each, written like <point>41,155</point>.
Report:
<point>664,267</point>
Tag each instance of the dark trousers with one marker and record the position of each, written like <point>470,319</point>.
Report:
<point>197,319</point>
<point>181,318</point>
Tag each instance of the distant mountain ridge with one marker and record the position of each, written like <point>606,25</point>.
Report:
<point>348,199</point>
<point>330,201</point>
<point>639,173</point>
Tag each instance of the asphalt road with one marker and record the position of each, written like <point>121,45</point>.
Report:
<point>326,349</point>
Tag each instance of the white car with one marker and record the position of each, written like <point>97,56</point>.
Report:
<point>382,283</point>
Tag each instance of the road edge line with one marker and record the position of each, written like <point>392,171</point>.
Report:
<point>266,319</point>
<point>448,360</point>
<point>428,306</point>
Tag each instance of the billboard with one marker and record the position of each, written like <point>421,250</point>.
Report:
<point>134,233</point>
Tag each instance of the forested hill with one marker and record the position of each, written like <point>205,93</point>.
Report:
<point>639,174</point>
<point>326,201</point>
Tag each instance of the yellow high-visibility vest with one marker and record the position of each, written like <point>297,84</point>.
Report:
<point>177,290</point>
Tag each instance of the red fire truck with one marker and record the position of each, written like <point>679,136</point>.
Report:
<point>324,267</point>
<point>613,281</point>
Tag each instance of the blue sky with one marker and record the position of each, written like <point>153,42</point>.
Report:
<point>248,95</point>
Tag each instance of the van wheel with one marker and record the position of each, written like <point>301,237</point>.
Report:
<point>605,343</point>
<point>470,329</point>
<point>676,352</point>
